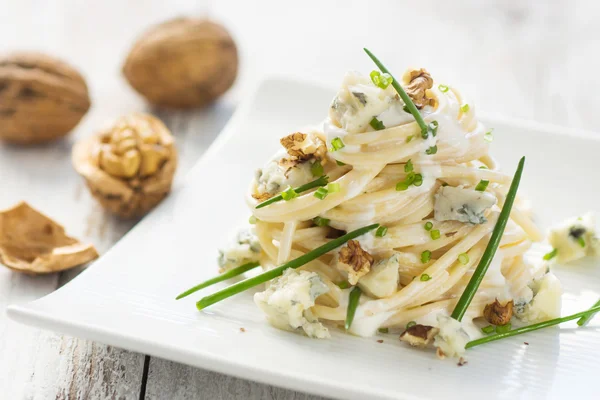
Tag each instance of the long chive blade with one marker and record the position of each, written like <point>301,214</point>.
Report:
<point>407,100</point>
<point>490,250</point>
<point>352,304</point>
<point>275,272</point>
<point>531,328</point>
<point>322,181</point>
<point>584,320</point>
<point>224,276</point>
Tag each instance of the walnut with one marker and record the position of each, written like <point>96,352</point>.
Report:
<point>354,260</point>
<point>262,196</point>
<point>32,243</point>
<point>418,82</point>
<point>419,335</point>
<point>302,147</point>
<point>128,167</point>
<point>41,98</point>
<point>498,314</point>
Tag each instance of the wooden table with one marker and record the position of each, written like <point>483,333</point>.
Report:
<point>536,60</point>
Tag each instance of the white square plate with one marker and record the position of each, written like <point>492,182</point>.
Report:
<point>126,299</point>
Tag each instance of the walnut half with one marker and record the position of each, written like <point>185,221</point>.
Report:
<point>419,335</point>
<point>418,83</point>
<point>302,147</point>
<point>498,314</point>
<point>355,261</point>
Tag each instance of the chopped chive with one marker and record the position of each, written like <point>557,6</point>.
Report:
<point>503,328</point>
<point>401,186</point>
<point>289,194</point>
<point>488,136</point>
<point>320,221</point>
<point>333,187</point>
<point>381,231</point>
<point>433,127</point>
<point>488,329</point>
<point>252,220</point>
<point>425,256</point>
<point>425,134</point>
<point>384,330</point>
<point>408,167</point>
<point>317,169</point>
<point>337,144</point>
<point>464,108</point>
<point>431,150</point>
<point>376,124</point>
<point>321,193</point>
<point>463,258</point>
<point>411,324</point>
<point>483,167</point>
<point>344,285</point>
<point>425,278</point>
<point>530,328</point>
<point>418,180</point>
<point>352,305</point>
<point>405,98</point>
<point>341,164</point>
<point>584,320</point>
<point>224,276</point>
<point>275,272</point>
<point>490,250</point>
<point>322,181</point>
<point>435,234</point>
<point>406,109</point>
<point>409,138</point>
<point>443,88</point>
<point>549,256</point>
<point>410,178</point>
<point>581,241</point>
<point>482,185</point>
<point>428,226</point>
<point>381,80</point>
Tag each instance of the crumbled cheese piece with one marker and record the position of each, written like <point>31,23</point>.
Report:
<point>275,177</point>
<point>358,101</point>
<point>382,280</point>
<point>452,338</point>
<point>464,205</point>
<point>288,299</point>
<point>546,301</point>
<point>574,239</point>
<point>245,249</point>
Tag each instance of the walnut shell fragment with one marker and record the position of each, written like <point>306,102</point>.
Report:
<point>182,63</point>
<point>41,98</point>
<point>128,167</point>
<point>498,314</point>
<point>32,243</point>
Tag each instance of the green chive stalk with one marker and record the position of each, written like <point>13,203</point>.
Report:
<point>322,181</point>
<point>352,305</point>
<point>409,103</point>
<point>584,320</point>
<point>531,328</point>
<point>224,276</point>
<point>275,272</point>
<point>490,250</point>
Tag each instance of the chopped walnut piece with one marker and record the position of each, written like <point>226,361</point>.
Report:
<point>262,196</point>
<point>354,260</point>
<point>418,83</point>
<point>440,354</point>
<point>498,314</point>
<point>302,147</point>
<point>419,335</point>
<point>461,362</point>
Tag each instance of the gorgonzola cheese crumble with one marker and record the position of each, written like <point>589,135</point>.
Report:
<point>452,338</point>
<point>288,299</point>
<point>574,239</point>
<point>460,204</point>
<point>382,279</point>
<point>274,177</point>
<point>546,302</point>
<point>246,248</point>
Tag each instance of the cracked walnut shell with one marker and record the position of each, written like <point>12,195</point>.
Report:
<point>32,243</point>
<point>41,98</point>
<point>128,167</point>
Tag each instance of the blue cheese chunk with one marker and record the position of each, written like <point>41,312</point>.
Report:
<point>460,204</point>
<point>546,303</point>
<point>287,302</point>
<point>574,239</point>
<point>382,279</point>
<point>246,248</point>
<point>274,177</point>
<point>451,339</point>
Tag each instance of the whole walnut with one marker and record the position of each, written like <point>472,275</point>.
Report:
<point>182,63</point>
<point>41,98</point>
<point>129,167</point>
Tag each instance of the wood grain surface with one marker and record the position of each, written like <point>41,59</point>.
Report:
<point>534,59</point>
